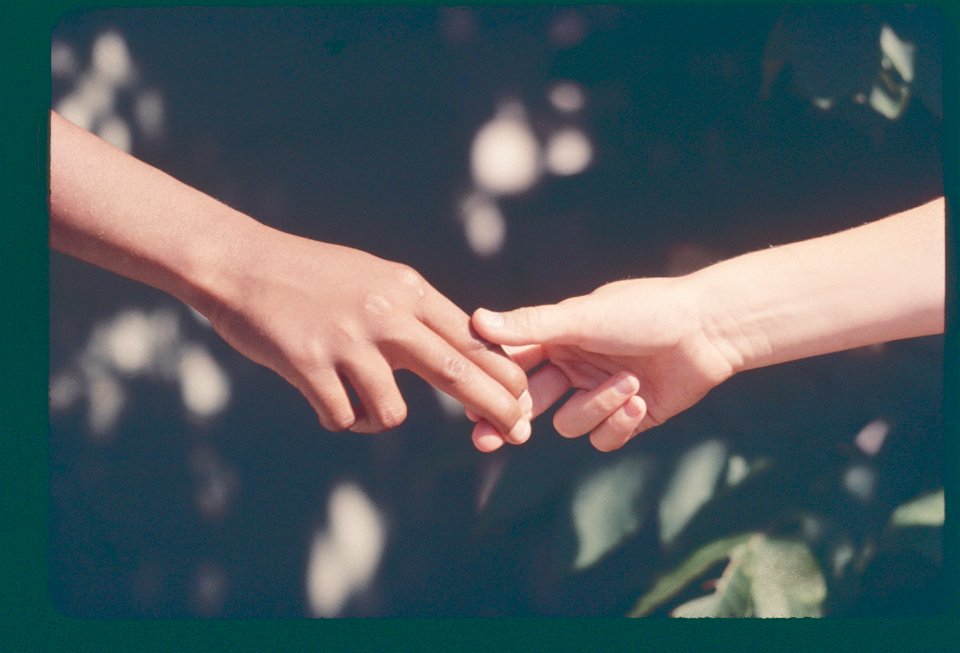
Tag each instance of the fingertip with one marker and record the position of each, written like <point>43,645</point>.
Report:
<point>635,408</point>
<point>488,319</point>
<point>520,432</point>
<point>526,404</point>
<point>621,427</point>
<point>486,438</point>
<point>626,384</point>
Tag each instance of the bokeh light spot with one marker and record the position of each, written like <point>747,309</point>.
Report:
<point>204,387</point>
<point>484,225</point>
<point>128,342</point>
<point>860,481</point>
<point>569,152</point>
<point>148,112</point>
<point>114,130</point>
<point>65,390</point>
<point>567,97</point>
<point>505,156</point>
<point>344,559</point>
<point>871,437</point>
<point>63,61</point>
<point>111,59</point>
<point>107,400</point>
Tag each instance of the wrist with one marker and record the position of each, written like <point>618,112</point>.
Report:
<point>721,316</point>
<point>210,270</point>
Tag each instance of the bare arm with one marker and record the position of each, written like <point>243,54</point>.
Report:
<point>874,283</point>
<point>323,316</point>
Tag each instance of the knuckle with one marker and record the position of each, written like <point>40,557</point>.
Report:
<point>392,414</point>
<point>454,370</point>
<point>340,420</point>
<point>407,277</point>
<point>313,354</point>
<point>515,379</point>
<point>530,317</point>
<point>377,306</point>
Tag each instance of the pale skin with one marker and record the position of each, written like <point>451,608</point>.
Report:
<point>669,341</point>
<point>325,317</point>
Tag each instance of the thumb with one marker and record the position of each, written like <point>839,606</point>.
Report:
<point>550,323</point>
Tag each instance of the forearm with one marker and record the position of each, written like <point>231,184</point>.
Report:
<point>874,283</point>
<point>114,211</point>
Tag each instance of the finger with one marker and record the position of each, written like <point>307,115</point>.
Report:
<point>325,392</point>
<point>526,356</point>
<point>550,323</point>
<point>383,405</point>
<point>617,429</point>
<point>431,357</point>
<point>526,406</point>
<point>453,325</point>
<point>586,409</point>
<point>486,438</point>
<point>547,385</point>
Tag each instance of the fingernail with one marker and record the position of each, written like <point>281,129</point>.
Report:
<point>634,407</point>
<point>486,438</point>
<point>490,318</point>
<point>520,432</point>
<point>626,386</point>
<point>526,404</point>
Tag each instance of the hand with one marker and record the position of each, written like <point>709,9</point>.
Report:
<point>636,352</point>
<point>327,318</point>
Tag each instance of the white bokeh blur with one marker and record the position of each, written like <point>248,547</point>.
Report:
<point>567,97</point>
<point>505,155</point>
<point>134,343</point>
<point>93,101</point>
<point>484,225</point>
<point>871,437</point>
<point>568,152</point>
<point>345,557</point>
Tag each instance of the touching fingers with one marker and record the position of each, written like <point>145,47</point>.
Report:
<point>586,409</point>
<point>550,323</point>
<point>453,325</point>
<point>620,427</point>
<point>485,437</point>
<point>546,386</point>
<point>432,358</point>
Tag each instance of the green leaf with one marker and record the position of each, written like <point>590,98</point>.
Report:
<point>692,485</point>
<point>609,505</point>
<point>672,583</point>
<point>766,577</point>
<point>786,579</point>
<point>925,510</point>
<point>732,595</point>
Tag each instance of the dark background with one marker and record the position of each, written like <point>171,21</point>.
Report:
<point>353,125</point>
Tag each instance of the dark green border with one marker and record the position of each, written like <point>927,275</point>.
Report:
<point>28,621</point>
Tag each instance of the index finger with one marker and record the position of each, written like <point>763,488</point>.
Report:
<point>452,324</point>
<point>432,358</point>
<point>547,385</point>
